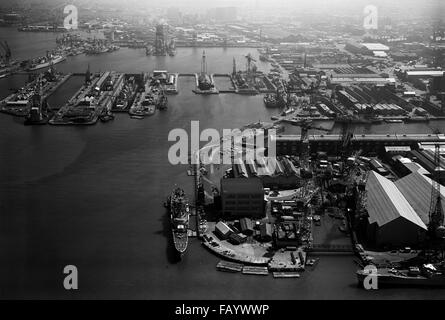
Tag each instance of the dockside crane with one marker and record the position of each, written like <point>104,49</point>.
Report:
<point>436,229</point>
<point>305,125</point>
<point>250,59</point>
<point>347,133</point>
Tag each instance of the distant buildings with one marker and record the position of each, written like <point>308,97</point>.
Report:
<point>368,49</point>
<point>174,16</point>
<point>161,40</point>
<point>347,75</point>
<point>11,19</point>
<point>242,197</point>
<point>223,14</point>
<point>423,78</point>
<point>375,143</point>
<point>373,100</point>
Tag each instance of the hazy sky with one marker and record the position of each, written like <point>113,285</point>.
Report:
<point>406,8</point>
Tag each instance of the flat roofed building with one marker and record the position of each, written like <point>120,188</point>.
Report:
<point>242,197</point>
<point>398,149</point>
<point>366,48</point>
<point>246,225</point>
<point>425,73</point>
<point>375,47</point>
<point>291,144</point>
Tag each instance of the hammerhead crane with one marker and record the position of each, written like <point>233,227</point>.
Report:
<point>305,126</point>
<point>347,133</point>
<point>250,59</point>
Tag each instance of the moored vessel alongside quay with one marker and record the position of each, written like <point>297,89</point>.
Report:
<point>179,210</point>
<point>126,96</point>
<point>427,275</point>
<point>44,62</point>
<point>93,100</point>
<point>20,103</point>
<point>144,103</point>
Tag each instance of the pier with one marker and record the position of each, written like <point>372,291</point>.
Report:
<point>17,104</point>
<point>52,89</point>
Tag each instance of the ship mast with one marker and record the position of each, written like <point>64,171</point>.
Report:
<point>203,64</point>
<point>234,66</point>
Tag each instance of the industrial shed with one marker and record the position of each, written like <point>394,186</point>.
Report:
<point>246,226</point>
<point>222,231</point>
<point>392,221</point>
<point>416,188</point>
<point>266,231</point>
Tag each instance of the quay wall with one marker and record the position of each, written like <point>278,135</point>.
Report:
<point>369,143</point>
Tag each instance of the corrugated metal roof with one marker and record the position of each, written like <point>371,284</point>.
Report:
<point>242,186</point>
<point>386,203</point>
<point>433,73</point>
<point>416,188</point>
<point>415,167</point>
<point>223,228</point>
<point>375,46</point>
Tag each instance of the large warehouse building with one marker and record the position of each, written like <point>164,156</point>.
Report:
<point>393,222</point>
<point>416,188</point>
<point>398,212</point>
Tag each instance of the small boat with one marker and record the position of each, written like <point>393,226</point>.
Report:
<point>394,121</point>
<point>47,61</point>
<point>106,117</point>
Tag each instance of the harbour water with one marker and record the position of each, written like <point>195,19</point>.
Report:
<point>92,197</point>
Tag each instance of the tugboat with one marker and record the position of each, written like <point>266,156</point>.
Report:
<point>179,210</point>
